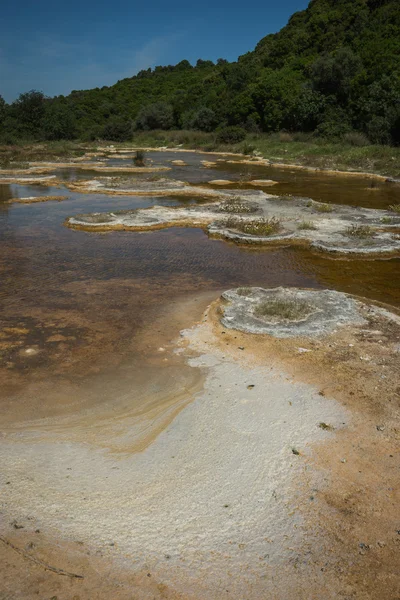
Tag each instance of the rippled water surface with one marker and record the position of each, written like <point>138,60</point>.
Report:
<point>74,305</point>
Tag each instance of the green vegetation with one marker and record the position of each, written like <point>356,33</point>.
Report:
<point>387,220</point>
<point>333,73</point>
<point>261,227</point>
<point>138,159</point>
<point>306,225</point>
<point>276,309</point>
<point>360,231</point>
<point>395,208</point>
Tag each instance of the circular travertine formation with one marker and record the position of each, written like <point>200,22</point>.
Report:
<point>288,312</point>
<point>256,218</point>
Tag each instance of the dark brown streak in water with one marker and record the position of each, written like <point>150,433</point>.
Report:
<point>83,314</point>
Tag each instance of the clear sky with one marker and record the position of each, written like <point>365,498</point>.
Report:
<point>58,46</point>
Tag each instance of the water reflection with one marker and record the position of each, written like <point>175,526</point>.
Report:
<point>80,302</point>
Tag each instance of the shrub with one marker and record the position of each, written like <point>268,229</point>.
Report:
<point>302,136</point>
<point>248,148</point>
<point>354,138</point>
<point>261,227</point>
<point>285,137</point>
<point>138,159</point>
<point>378,130</point>
<point>231,135</point>
<point>333,128</point>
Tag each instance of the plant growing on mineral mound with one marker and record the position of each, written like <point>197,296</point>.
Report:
<point>387,220</point>
<point>236,205</point>
<point>244,291</point>
<point>324,208</point>
<point>138,159</point>
<point>281,309</point>
<point>360,231</point>
<point>306,225</point>
<point>395,208</point>
<point>261,227</point>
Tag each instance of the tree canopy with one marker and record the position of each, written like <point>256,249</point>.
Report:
<point>334,68</point>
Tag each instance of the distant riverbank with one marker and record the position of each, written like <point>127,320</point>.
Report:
<point>299,149</point>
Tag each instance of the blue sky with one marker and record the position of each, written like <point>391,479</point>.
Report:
<point>57,47</point>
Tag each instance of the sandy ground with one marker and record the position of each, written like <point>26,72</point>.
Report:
<point>278,480</point>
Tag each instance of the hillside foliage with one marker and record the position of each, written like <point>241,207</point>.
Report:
<point>334,69</point>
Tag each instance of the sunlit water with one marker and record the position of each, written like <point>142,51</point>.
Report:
<point>75,306</point>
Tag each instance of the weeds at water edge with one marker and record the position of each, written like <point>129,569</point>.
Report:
<point>261,227</point>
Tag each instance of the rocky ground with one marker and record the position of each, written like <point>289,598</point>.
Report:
<point>279,480</point>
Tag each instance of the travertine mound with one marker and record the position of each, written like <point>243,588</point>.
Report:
<point>288,312</point>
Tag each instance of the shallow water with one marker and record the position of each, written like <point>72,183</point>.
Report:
<point>335,188</point>
<point>84,314</point>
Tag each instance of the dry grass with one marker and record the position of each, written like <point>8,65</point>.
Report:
<point>307,225</point>
<point>244,291</point>
<point>261,227</point>
<point>236,206</point>
<point>279,309</point>
<point>324,208</point>
<point>360,231</point>
<point>395,208</point>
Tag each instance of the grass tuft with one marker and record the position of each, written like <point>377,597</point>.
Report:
<point>244,291</point>
<point>261,227</point>
<point>395,208</point>
<point>306,225</point>
<point>276,309</point>
<point>324,208</point>
<point>360,231</point>
<point>236,205</point>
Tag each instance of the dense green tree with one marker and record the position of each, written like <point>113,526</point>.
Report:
<point>332,74</point>
<point>203,119</point>
<point>28,113</point>
<point>58,122</point>
<point>3,110</point>
<point>334,68</point>
<point>117,130</point>
<point>159,115</point>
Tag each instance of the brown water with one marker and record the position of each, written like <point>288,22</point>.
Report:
<point>83,315</point>
<point>335,188</point>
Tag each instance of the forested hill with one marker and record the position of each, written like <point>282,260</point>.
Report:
<point>333,69</point>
